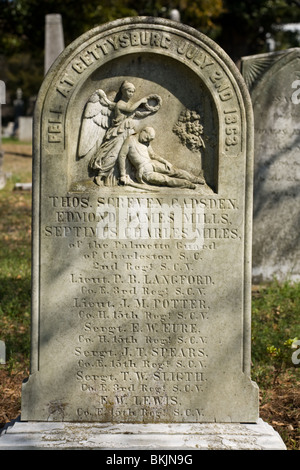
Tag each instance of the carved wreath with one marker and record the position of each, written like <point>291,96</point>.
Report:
<point>151,107</point>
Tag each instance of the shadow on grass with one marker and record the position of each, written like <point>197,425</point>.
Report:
<point>15,299</point>
<point>18,154</point>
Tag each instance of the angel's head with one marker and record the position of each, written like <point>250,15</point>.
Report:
<point>127,89</point>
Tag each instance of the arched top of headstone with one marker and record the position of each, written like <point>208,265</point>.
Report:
<point>142,35</point>
<point>260,69</point>
<point>180,68</point>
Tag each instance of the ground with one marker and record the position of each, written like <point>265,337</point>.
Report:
<point>280,407</point>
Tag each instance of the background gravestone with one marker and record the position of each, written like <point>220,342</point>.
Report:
<point>274,83</point>
<point>25,129</point>
<point>2,101</point>
<point>54,39</point>
<point>142,271</point>
<point>2,352</point>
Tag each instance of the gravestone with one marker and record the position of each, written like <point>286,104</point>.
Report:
<point>25,129</point>
<point>142,246</point>
<point>19,110</point>
<point>2,352</point>
<point>54,39</point>
<point>274,83</point>
<point>2,101</point>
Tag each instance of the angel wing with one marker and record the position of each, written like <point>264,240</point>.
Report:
<point>95,121</point>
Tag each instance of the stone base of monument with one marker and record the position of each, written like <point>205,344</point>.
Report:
<point>19,435</point>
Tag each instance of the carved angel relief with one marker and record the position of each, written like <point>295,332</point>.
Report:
<point>106,125</point>
<point>112,144</point>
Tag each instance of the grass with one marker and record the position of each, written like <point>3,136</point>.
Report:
<point>275,315</point>
<point>15,141</point>
<point>15,260</point>
<point>275,330</point>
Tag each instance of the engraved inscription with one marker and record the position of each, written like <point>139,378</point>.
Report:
<point>55,130</point>
<point>232,130</point>
<point>142,303</point>
<point>190,219</point>
<point>99,52</point>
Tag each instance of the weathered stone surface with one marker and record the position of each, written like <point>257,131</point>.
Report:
<point>274,83</point>
<point>208,436</point>
<point>142,272</point>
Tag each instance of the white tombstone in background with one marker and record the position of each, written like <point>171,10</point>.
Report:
<point>2,101</point>
<point>54,39</point>
<point>25,128</point>
<point>175,15</point>
<point>2,352</point>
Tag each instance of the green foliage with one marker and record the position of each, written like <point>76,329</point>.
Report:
<point>24,72</point>
<point>22,21</point>
<point>275,328</point>
<point>15,277</point>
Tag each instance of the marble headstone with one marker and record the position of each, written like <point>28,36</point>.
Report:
<point>142,217</point>
<point>274,83</point>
